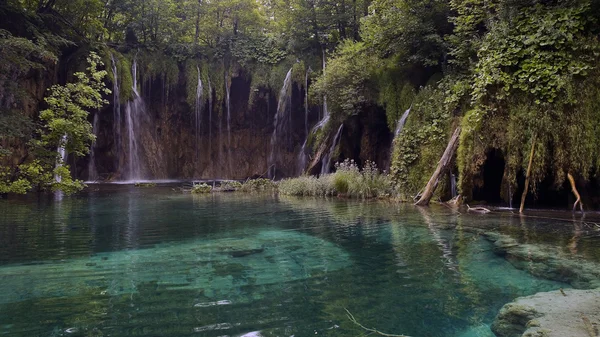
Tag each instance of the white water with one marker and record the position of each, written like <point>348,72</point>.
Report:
<point>280,127</point>
<point>92,170</point>
<point>198,113</point>
<point>210,126</point>
<point>399,128</point>
<point>402,121</point>
<point>326,164</point>
<point>61,159</point>
<point>134,111</point>
<point>228,106</point>
<point>116,109</point>
<point>303,155</point>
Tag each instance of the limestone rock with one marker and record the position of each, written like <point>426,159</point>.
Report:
<point>551,314</point>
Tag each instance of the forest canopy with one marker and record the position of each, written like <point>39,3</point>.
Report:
<point>513,74</point>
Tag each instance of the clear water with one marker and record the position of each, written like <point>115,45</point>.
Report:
<point>125,261</point>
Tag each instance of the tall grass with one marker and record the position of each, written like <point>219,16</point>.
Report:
<point>348,181</point>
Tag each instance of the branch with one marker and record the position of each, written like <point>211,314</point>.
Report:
<point>353,320</point>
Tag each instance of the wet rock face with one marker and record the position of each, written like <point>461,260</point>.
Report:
<point>568,313</point>
<point>168,136</point>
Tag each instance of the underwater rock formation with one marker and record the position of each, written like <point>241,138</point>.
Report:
<point>547,261</point>
<point>561,313</point>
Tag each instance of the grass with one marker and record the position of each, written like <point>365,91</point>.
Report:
<point>348,181</point>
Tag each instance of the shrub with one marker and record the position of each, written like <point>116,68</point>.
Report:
<point>258,185</point>
<point>348,181</point>
<point>231,186</point>
<point>308,186</point>
<point>352,182</point>
<point>201,188</point>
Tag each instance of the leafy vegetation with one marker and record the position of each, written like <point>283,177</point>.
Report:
<point>348,181</point>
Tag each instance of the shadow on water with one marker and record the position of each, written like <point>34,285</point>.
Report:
<point>127,261</point>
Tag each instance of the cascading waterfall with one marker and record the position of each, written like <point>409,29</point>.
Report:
<point>116,108</point>
<point>198,113</point>
<point>402,121</point>
<point>303,156</point>
<point>62,156</point>
<point>134,111</point>
<point>326,164</point>
<point>282,116</point>
<point>92,170</point>
<point>399,128</point>
<point>325,117</point>
<point>228,107</point>
<point>453,188</point>
<point>210,111</point>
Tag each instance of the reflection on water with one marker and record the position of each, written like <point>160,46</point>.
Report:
<point>124,261</point>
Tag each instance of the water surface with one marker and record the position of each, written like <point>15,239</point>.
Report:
<point>126,261</point>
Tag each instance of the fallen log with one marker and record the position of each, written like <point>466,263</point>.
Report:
<point>526,189</point>
<point>442,167</point>
<point>479,210</point>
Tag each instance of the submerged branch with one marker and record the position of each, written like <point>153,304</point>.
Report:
<point>353,320</point>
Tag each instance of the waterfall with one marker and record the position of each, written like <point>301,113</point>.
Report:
<point>92,170</point>
<point>134,111</point>
<point>282,115</point>
<point>326,164</point>
<point>228,106</point>
<point>402,121</point>
<point>62,156</point>
<point>303,156</point>
<point>198,112</point>
<point>325,118</point>
<point>399,128</point>
<point>453,189</point>
<point>116,109</point>
<point>210,126</point>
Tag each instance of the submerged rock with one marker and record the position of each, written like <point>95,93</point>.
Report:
<point>551,314</point>
<point>547,261</point>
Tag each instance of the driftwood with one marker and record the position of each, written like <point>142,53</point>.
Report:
<point>577,195</point>
<point>526,189</point>
<point>442,167</point>
<point>371,330</point>
<point>480,210</point>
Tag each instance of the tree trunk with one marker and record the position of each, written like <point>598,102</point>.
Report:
<point>577,195</point>
<point>526,189</point>
<point>442,167</point>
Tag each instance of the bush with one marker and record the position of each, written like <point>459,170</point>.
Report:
<point>352,182</point>
<point>201,188</point>
<point>230,186</point>
<point>258,185</point>
<point>308,186</point>
<point>348,181</point>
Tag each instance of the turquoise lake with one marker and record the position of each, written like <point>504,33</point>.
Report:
<point>125,261</point>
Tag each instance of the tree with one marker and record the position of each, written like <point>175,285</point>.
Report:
<point>63,124</point>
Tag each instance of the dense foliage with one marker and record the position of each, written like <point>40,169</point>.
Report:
<point>511,73</point>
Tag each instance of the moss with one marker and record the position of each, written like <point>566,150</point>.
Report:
<point>419,147</point>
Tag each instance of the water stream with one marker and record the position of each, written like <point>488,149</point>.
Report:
<point>117,127</point>
<point>198,113</point>
<point>281,123</point>
<point>134,111</point>
<point>92,170</point>
<point>326,163</point>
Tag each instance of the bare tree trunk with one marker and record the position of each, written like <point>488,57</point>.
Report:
<point>577,195</point>
<point>526,189</point>
<point>442,167</point>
